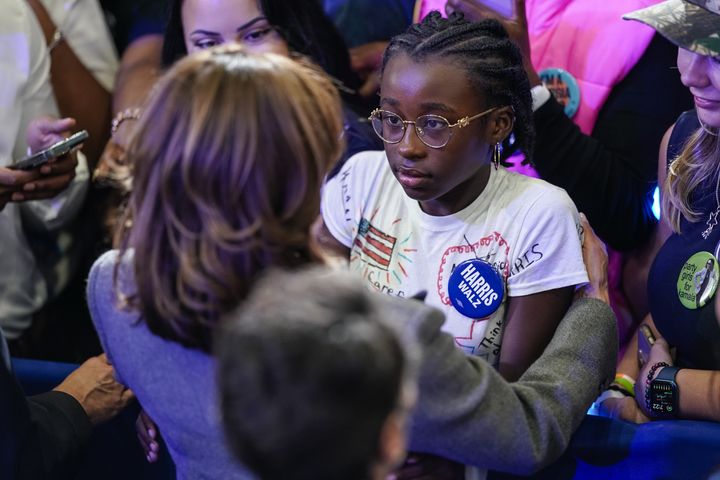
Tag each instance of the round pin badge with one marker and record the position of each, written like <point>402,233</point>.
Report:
<point>564,88</point>
<point>476,289</point>
<point>698,280</point>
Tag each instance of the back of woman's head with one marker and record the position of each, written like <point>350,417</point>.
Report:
<point>227,164</point>
<point>492,62</point>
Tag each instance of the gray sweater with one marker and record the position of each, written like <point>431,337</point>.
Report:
<point>175,385</point>
<point>466,411</point>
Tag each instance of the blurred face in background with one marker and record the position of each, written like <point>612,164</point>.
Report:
<point>207,23</point>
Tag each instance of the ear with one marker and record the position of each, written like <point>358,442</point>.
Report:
<point>392,444</point>
<point>500,124</point>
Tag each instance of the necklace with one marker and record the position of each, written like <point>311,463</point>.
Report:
<point>711,222</point>
<point>713,217</point>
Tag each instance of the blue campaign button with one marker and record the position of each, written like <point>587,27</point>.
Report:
<point>476,289</point>
<point>564,88</point>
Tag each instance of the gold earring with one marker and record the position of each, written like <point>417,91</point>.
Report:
<point>496,155</point>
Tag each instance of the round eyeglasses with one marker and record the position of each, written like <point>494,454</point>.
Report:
<point>433,130</point>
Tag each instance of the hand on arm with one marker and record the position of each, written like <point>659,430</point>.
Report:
<point>595,258</point>
<point>93,385</point>
<point>627,407</point>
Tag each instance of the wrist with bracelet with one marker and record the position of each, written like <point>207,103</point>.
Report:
<point>624,384</point>
<point>122,116</point>
<point>661,390</point>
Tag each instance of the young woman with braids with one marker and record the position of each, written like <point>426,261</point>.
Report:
<point>497,252</point>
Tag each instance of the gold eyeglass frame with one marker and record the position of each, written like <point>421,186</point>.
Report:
<point>461,123</point>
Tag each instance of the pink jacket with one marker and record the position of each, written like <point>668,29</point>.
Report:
<point>593,43</point>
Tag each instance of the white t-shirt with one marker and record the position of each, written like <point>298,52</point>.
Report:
<point>82,23</point>
<point>525,227</point>
<point>25,94</point>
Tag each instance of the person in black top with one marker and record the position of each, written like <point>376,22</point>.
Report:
<point>44,436</point>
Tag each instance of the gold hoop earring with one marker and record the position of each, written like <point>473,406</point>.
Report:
<point>497,150</point>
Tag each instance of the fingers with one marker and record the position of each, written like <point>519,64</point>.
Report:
<point>589,237</point>
<point>147,434</point>
<point>15,178</point>
<point>45,188</point>
<point>45,131</point>
<point>49,125</point>
<point>63,164</point>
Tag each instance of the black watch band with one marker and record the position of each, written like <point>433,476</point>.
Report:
<point>664,393</point>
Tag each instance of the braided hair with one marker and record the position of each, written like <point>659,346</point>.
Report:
<point>492,61</point>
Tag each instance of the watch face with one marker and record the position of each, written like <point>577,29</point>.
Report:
<point>663,398</point>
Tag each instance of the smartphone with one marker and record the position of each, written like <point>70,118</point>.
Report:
<point>503,7</point>
<point>646,339</point>
<point>42,157</point>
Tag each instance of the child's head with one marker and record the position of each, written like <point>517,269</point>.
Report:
<point>313,383</point>
<point>227,164</point>
<point>470,74</point>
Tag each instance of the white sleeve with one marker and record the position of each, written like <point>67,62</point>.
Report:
<point>337,205</point>
<point>344,195</point>
<point>82,23</point>
<point>38,101</point>
<point>549,250</point>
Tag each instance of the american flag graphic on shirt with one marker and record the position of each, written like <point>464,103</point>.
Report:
<point>376,246</point>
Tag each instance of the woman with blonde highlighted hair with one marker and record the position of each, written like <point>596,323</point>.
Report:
<point>684,276</point>
<point>227,165</point>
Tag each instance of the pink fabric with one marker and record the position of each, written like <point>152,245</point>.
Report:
<point>587,40</point>
<point>590,42</point>
<point>423,7</point>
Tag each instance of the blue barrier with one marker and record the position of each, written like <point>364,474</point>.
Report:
<point>602,448</point>
<point>113,452</point>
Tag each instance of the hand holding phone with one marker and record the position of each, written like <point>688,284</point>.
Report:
<point>59,149</point>
<point>646,339</point>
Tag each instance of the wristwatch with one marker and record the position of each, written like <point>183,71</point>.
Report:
<point>664,394</point>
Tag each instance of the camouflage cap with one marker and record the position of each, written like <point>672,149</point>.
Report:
<point>690,24</point>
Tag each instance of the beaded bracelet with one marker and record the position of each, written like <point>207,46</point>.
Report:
<point>650,376</point>
<point>127,114</point>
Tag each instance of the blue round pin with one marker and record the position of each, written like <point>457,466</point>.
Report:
<point>564,88</point>
<point>476,289</point>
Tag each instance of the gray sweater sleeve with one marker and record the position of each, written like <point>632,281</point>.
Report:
<point>467,412</point>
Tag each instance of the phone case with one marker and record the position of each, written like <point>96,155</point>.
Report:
<point>42,157</point>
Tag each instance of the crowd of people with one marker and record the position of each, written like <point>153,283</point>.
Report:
<point>314,246</point>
